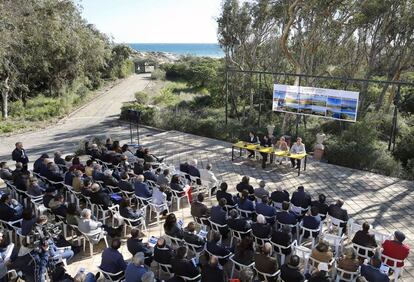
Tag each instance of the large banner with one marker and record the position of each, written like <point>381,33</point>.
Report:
<point>328,103</point>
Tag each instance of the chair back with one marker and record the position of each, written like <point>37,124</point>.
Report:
<point>174,240</point>
<point>314,262</point>
<point>263,276</point>
<point>245,213</point>
<point>239,265</point>
<point>334,241</point>
<point>228,208</point>
<point>353,228</point>
<point>113,277</point>
<point>196,249</point>
<point>143,202</point>
<point>279,248</point>
<point>311,231</point>
<point>239,234</point>
<point>277,205</point>
<point>380,236</point>
<point>363,251</point>
<point>185,278</point>
<point>297,210</point>
<point>344,275</point>
<point>260,241</point>
<point>202,221</point>
<point>216,226</point>
<point>391,262</point>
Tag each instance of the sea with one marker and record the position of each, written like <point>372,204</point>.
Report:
<point>195,49</point>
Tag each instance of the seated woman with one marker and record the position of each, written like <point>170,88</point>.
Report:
<point>348,261</point>
<point>76,164</point>
<point>244,252</point>
<point>171,227</point>
<point>178,184</point>
<point>322,253</point>
<point>281,146</point>
<point>127,212</point>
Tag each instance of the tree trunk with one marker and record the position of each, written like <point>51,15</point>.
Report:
<point>5,98</point>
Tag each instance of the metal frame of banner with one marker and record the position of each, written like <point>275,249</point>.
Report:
<point>229,94</point>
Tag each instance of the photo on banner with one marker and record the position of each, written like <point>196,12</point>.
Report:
<point>322,102</point>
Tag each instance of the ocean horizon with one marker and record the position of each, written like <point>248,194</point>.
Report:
<point>196,49</point>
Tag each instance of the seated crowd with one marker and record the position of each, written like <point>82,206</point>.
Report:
<point>254,231</point>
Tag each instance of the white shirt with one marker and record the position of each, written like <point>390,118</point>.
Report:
<point>158,197</point>
<point>298,149</point>
<point>209,177</point>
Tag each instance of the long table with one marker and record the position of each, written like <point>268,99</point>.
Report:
<point>241,145</point>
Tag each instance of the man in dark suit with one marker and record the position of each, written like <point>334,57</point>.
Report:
<point>124,184</point>
<point>139,167</point>
<point>217,249</point>
<point>8,212</point>
<point>163,253</point>
<point>198,209</point>
<point>260,228</point>
<point>222,193</point>
<point>39,163</point>
<point>264,208</point>
<point>265,263</point>
<point>112,259</point>
<point>285,216</point>
<point>219,216</point>
<point>58,159</point>
<point>95,152</point>
<point>312,221</point>
<point>192,169</point>
<point>5,172</point>
<point>372,271</point>
<point>109,179</point>
<point>135,245</point>
<point>149,174</point>
<point>52,173</point>
<point>283,237</point>
<point>336,211</point>
<point>19,155</point>
<point>363,238</point>
<point>141,188</point>
<point>321,205</point>
<point>184,167</point>
<point>99,197</point>
<point>300,198</point>
<point>212,271</point>
<point>290,271</point>
<point>182,266</point>
<point>192,238</point>
<point>237,223</point>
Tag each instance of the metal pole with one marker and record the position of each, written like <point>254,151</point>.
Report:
<point>227,92</point>
<point>297,115</point>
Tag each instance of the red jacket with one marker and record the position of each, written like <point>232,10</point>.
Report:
<point>395,250</point>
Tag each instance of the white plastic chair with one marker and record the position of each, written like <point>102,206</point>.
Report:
<point>110,276</point>
<point>94,238</point>
<point>302,231</point>
<point>335,222</point>
<point>278,249</point>
<point>335,241</point>
<point>313,263</point>
<point>393,263</point>
<point>185,278</point>
<point>238,234</point>
<point>158,210</point>
<point>245,213</point>
<point>298,210</point>
<point>266,276</point>
<point>216,226</point>
<point>304,253</point>
<point>238,266</point>
<point>196,249</point>
<point>363,251</point>
<point>341,274</point>
<point>178,196</point>
<point>174,240</point>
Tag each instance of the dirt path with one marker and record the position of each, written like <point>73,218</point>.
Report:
<point>99,117</point>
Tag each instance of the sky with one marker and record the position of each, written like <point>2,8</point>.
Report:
<point>154,21</point>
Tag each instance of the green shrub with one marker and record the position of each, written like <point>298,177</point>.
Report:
<point>158,74</point>
<point>141,97</point>
<point>148,113</point>
<point>166,97</point>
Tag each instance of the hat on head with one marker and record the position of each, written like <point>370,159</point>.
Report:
<point>399,236</point>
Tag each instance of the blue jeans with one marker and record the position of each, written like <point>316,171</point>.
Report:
<point>66,254</point>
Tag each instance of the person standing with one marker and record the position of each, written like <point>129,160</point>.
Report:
<point>297,148</point>
<point>19,155</point>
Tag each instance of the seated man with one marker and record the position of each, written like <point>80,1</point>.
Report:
<point>336,211</point>
<point>321,205</point>
<point>217,249</point>
<point>264,208</point>
<point>127,212</point>
<point>10,209</point>
<point>212,271</point>
<point>290,270</point>
<point>182,266</point>
<point>245,185</point>
<point>58,159</point>
<point>245,203</point>
<point>58,205</point>
<point>279,196</point>
<point>124,184</point>
<point>283,237</point>
<point>312,221</point>
<point>396,249</point>
<point>222,193</point>
<point>162,252</point>
<point>136,268</point>
<point>39,164</point>
<point>372,272</point>
<point>87,225</point>
<point>321,252</point>
<point>149,174</point>
<point>192,168</point>
<point>164,179</point>
<point>260,228</point>
<point>97,173</point>
<point>135,245</point>
<point>237,223</point>
<point>198,209</point>
<point>265,263</point>
<point>260,192</point>
<point>142,189</point>
<point>300,198</point>
<point>5,172</point>
<point>297,148</point>
<point>112,260</point>
<point>364,238</point>
<point>219,216</point>
<point>100,197</point>
<point>109,179</point>
<point>53,174</point>
<point>191,237</point>
<point>285,216</point>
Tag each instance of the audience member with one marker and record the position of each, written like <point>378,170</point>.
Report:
<point>149,174</point>
<point>50,193</point>
<point>321,275</point>
<point>322,253</point>
<point>109,179</point>
<point>264,208</point>
<point>171,227</point>
<point>219,216</point>
<point>28,222</point>
<point>59,160</point>
<point>321,205</point>
<point>72,214</point>
<point>336,211</point>
<point>142,189</point>
<point>112,260</point>
<point>10,209</point>
<point>164,179</point>
<point>245,203</point>
<point>260,192</point>
<point>124,184</point>
<point>348,261</point>
<point>396,249</point>
<point>212,272</point>
<point>279,196</point>
<point>234,222</point>
<point>290,270</point>
<point>283,237</point>
<point>35,189</point>
<point>222,193</point>
<point>182,266</point>
<point>365,239</point>
<point>127,212</point>
<point>192,168</point>
<point>265,263</point>
<point>100,197</point>
<point>198,209</point>
<point>87,225</point>
<point>77,165</point>
<point>5,172</point>
<point>192,238</point>
<point>206,175</point>
<point>300,198</point>
<point>260,228</point>
<point>77,180</point>
<point>244,185</point>
<point>244,252</point>
<point>216,248</point>
<point>162,252</point>
<point>136,268</point>
<point>285,216</point>
<point>58,205</point>
<point>372,271</point>
<point>312,221</point>
<point>135,245</point>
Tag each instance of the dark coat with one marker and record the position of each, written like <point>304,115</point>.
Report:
<point>199,210</point>
<point>101,198</point>
<point>291,274</point>
<point>301,199</point>
<point>280,196</point>
<point>218,215</point>
<point>183,267</point>
<point>261,230</point>
<point>163,255</point>
<point>238,224</point>
<point>126,186</point>
<point>336,211</point>
<point>229,198</point>
<point>243,186</point>
<point>20,156</point>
